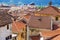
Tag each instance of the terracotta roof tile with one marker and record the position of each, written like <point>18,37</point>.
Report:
<point>50,10</point>
<point>50,34</point>
<point>17,26</point>
<point>56,38</point>
<point>59,10</point>
<point>27,16</point>
<point>5,19</point>
<point>40,22</point>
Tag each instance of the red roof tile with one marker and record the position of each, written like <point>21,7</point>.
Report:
<point>17,26</point>
<point>51,33</point>
<point>56,38</point>
<point>40,22</point>
<point>50,10</point>
<point>27,16</point>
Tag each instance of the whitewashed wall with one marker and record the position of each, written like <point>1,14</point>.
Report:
<point>4,32</point>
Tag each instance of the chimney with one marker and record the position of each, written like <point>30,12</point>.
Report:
<point>50,3</point>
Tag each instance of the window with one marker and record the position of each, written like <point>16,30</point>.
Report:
<point>9,37</point>
<point>56,18</point>
<point>22,35</point>
<point>26,28</point>
<point>6,38</point>
<point>39,19</point>
<point>15,38</point>
<point>8,26</point>
<point>15,19</point>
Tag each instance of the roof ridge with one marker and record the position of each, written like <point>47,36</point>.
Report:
<point>50,10</point>
<point>55,8</point>
<point>50,6</point>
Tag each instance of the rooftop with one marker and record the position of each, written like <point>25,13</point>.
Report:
<point>17,26</point>
<point>40,22</point>
<point>50,10</point>
<point>4,18</point>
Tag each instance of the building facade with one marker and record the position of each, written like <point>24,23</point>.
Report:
<point>5,32</point>
<point>5,26</point>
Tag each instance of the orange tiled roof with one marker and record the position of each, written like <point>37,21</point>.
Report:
<point>56,38</point>
<point>59,10</point>
<point>27,16</point>
<point>50,10</point>
<point>17,26</point>
<point>50,33</point>
<point>4,18</point>
<point>14,14</point>
<point>40,22</point>
<point>58,29</point>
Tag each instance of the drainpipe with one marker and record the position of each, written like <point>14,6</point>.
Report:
<point>27,32</point>
<point>51,23</point>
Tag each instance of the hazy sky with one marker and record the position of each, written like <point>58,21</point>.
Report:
<point>37,2</point>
